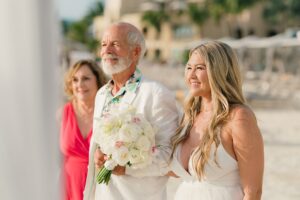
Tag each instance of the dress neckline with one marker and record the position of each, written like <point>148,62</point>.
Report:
<point>77,125</point>
<point>219,148</point>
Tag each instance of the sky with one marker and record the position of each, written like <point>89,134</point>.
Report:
<point>73,9</point>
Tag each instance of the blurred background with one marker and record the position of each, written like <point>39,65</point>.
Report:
<point>41,39</point>
<point>264,33</point>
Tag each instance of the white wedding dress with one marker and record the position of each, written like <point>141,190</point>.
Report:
<point>220,183</point>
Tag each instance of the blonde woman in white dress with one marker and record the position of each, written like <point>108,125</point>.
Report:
<point>218,148</point>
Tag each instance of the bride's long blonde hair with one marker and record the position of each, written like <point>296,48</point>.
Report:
<point>226,89</point>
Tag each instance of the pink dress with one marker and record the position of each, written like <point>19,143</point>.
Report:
<point>75,149</point>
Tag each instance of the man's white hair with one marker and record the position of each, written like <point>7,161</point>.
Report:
<point>134,37</point>
<point>137,38</point>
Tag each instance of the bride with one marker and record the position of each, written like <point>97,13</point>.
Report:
<point>218,148</point>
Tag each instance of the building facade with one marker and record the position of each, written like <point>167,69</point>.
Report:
<point>178,33</point>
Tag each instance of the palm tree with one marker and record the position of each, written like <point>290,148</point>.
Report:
<point>198,14</point>
<point>155,18</point>
<point>79,31</point>
<point>221,8</point>
<point>278,12</point>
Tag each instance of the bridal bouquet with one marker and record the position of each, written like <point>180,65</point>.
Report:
<point>126,138</point>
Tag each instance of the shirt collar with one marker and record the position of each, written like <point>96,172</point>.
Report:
<point>131,84</point>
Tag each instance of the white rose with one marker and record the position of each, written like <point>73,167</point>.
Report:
<point>130,110</point>
<point>111,125</point>
<point>120,155</point>
<point>148,130</point>
<point>110,164</point>
<point>143,143</point>
<point>134,156</point>
<point>129,133</point>
<point>146,159</point>
<point>107,144</point>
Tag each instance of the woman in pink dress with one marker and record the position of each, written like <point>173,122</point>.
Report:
<point>82,82</point>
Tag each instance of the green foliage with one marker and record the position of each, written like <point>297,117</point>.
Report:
<point>219,8</point>
<point>216,9</point>
<point>97,10</point>
<point>278,11</point>
<point>274,11</point>
<point>155,18</point>
<point>65,24</point>
<point>295,8</point>
<point>198,14</point>
<point>92,44</point>
<point>80,31</point>
<point>77,32</point>
<point>185,56</point>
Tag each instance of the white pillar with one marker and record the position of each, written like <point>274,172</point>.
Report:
<point>29,88</point>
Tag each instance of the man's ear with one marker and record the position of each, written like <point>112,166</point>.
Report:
<point>137,51</point>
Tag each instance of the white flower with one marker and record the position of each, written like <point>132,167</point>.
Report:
<point>145,159</point>
<point>120,155</point>
<point>110,164</point>
<point>129,132</point>
<point>129,111</point>
<point>111,125</point>
<point>149,130</point>
<point>107,144</point>
<point>135,156</point>
<point>143,143</point>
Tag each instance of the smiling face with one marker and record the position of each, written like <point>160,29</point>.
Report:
<point>115,51</point>
<point>84,84</point>
<point>196,76</point>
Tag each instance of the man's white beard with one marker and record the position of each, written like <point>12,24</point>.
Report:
<point>109,69</point>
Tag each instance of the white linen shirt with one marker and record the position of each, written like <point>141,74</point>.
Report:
<point>158,105</point>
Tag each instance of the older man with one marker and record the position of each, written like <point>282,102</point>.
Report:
<point>122,47</point>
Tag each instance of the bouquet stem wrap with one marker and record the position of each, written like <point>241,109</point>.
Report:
<point>104,175</point>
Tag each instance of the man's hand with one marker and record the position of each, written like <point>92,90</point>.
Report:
<point>99,158</point>
<point>172,174</point>
<point>119,170</point>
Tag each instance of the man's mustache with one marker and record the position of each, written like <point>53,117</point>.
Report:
<point>110,56</point>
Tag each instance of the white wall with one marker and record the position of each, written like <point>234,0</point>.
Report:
<point>29,156</point>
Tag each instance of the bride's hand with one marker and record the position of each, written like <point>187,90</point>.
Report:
<point>172,174</point>
<point>119,170</point>
<point>99,158</point>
